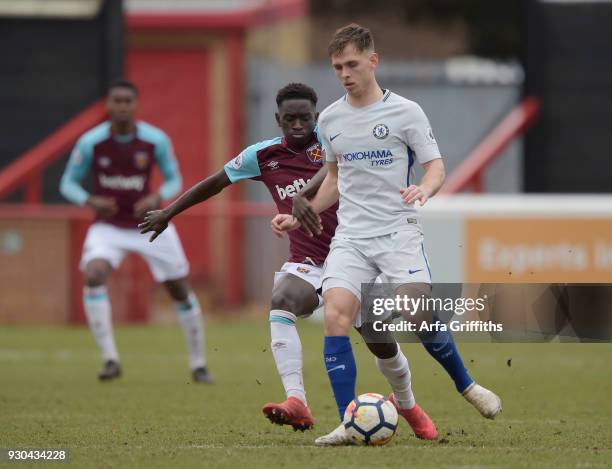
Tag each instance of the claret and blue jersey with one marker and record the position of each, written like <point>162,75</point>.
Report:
<point>285,170</point>
<point>121,167</point>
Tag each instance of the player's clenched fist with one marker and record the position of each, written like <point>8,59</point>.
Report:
<point>413,193</point>
<point>105,207</point>
<point>283,222</point>
<point>155,221</point>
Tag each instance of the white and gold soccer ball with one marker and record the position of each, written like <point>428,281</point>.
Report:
<point>370,419</point>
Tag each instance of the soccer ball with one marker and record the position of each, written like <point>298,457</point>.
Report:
<point>370,419</point>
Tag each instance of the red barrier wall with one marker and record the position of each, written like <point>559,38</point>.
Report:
<point>174,95</point>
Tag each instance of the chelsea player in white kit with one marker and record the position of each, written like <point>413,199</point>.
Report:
<point>372,138</point>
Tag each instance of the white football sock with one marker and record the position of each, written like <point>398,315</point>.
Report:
<point>287,352</point>
<point>98,312</point>
<point>397,372</point>
<point>190,316</point>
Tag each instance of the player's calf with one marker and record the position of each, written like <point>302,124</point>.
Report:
<point>189,314</point>
<point>98,313</point>
<point>438,341</point>
<point>340,308</point>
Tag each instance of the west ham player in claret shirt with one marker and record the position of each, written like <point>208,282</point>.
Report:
<point>285,164</point>
<point>121,153</point>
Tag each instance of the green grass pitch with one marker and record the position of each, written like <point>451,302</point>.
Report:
<point>557,403</point>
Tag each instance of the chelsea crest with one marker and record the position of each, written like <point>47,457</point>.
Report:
<point>380,131</point>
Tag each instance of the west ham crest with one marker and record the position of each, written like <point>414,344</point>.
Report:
<point>141,159</point>
<point>315,153</point>
<point>104,161</point>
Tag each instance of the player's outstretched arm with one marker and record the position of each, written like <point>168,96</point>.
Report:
<point>157,221</point>
<point>432,181</point>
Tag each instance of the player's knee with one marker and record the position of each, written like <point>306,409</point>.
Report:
<point>383,350</point>
<point>338,321</point>
<point>280,300</point>
<point>178,289</point>
<point>286,302</point>
<point>96,274</point>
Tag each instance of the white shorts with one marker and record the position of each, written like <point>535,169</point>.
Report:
<point>165,255</point>
<point>399,257</point>
<point>313,275</point>
<point>307,272</point>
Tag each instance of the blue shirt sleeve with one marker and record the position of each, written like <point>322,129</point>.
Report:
<point>246,164</point>
<point>164,155</point>
<point>77,168</point>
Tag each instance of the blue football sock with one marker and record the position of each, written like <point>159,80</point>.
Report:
<point>441,346</point>
<point>341,370</point>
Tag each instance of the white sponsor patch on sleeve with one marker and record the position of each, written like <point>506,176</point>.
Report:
<point>237,162</point>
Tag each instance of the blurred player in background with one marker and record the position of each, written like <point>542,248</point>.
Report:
<point>285,165</point>
<point>371,138</point>
<point>121,153</point>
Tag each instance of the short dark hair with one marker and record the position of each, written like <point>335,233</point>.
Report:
<point>296,91</point>
<point>354,34</point>
<point>121,83</point>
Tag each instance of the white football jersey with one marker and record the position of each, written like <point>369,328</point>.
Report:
<point>375,148</point>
